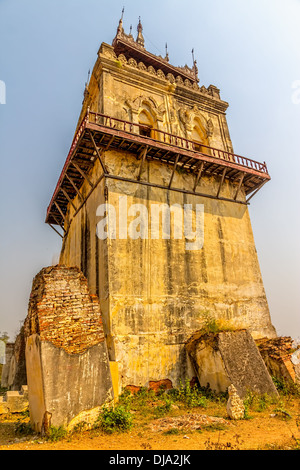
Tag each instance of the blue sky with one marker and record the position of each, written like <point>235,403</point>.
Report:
<point>247,48</point>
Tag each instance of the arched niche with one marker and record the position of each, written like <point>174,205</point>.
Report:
<point>199,136</point>
<point>147,121</point>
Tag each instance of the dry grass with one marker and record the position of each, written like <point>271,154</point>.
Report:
<point>181,419</point>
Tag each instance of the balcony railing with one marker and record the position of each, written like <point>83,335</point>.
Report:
<point>171,139</point>
<point>117,133</point>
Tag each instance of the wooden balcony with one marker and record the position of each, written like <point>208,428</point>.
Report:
<point>98,133</point>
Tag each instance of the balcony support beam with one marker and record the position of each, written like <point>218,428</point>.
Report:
<point>198,176</point>
<point>82,173</point>
<point>221,182</point>
<point>60,211</point>
<point>99,154</point>
<point>68,198</point>
<point>174,169</point>
<point>257,189</point>
<point>239,186</point>
<point>53,228</point>
<point>58,222</point>
<point>74,186</point>
<point>143,156</point>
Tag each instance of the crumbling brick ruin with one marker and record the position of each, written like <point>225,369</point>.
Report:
<point>281,357</point>
<point>63,312</point>
<point>66,355</point>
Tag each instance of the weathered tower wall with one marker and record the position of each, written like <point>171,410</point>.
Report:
<point>154,293</point>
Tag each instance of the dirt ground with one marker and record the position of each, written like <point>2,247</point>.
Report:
<point>275,427</point>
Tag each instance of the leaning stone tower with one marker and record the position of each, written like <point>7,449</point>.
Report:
<point>151,154</point>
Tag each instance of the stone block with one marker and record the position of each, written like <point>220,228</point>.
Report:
<point>229,357</point>
<point>14,401</point>
<point>3,406</point>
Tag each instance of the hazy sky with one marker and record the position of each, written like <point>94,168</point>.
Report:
<point>250,49</point>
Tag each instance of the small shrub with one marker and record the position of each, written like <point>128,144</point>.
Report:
<point>286,388</point>
<point>3,390</point>
<point>258,403</point>
<point>161,410</point>
<point>80,427</point>
<point>126,394</point>
<point>282,414</point>
<point>212,427</point>
<point>23,429</point>
<point>264,401</point>
<point>25,413</point>
<point>113,419</point>
<point>211,395</point>
<point>191,396</point>
<point>210,445</point>
<point>172,431</point>
<point>56,433</point>
<point>173,393</point>
<point>214,325</point>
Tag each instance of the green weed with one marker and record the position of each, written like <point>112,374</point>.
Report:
<point>22,428</point>
<point>56,433</point>
<point>172,431</point>
<point>161,410</point>
<point>113,419</point>
<point>215,325</point>
<point>286,388</point>
<point>191,396</point>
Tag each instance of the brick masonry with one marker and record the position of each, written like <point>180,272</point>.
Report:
<point>63,312</point>
<point>281,357</point>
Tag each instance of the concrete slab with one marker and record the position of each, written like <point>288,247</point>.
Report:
<point>230,357</point>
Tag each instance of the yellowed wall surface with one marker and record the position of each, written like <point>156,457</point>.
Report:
<point>154,293</point>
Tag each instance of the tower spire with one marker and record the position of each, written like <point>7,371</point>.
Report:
<point>167,54</point>
<point>140,38</point>
<point>195,68</point>
<point>120,29</point>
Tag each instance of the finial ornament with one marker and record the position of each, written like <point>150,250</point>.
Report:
<point>120,29</point>
<point>139,26</point>
<point>140,38</point>
<point>167,54</point>
<point>86,92</point>
<point>195,68</point>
